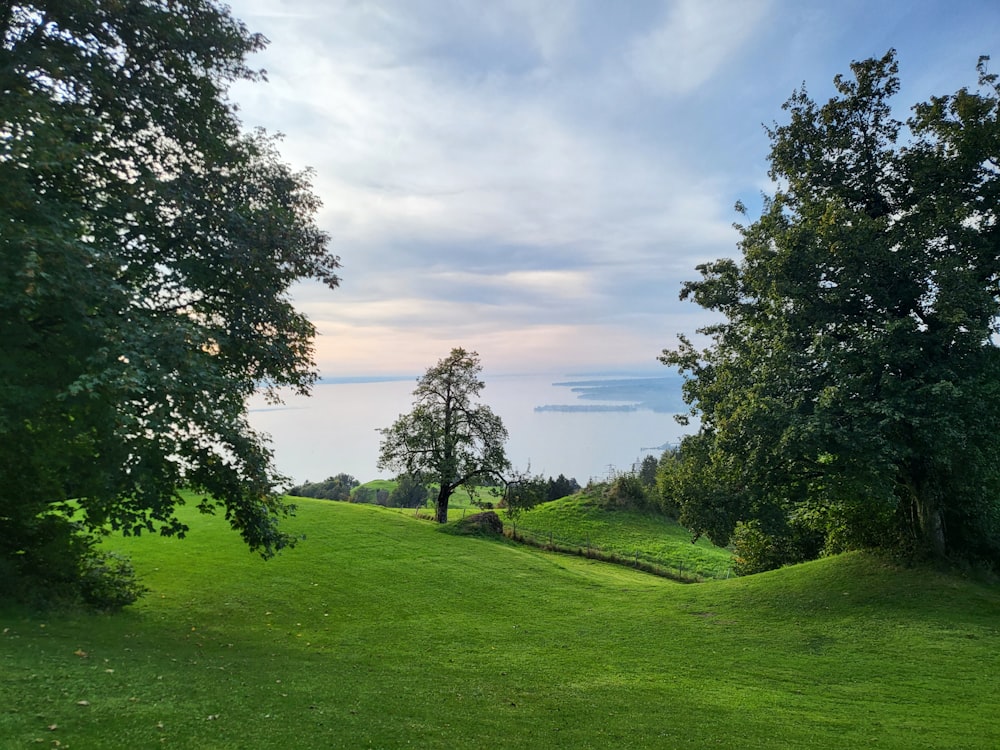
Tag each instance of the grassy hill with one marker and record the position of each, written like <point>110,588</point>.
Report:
<point>380,631</point>
<point>579,520</point>
<point>582,523</point>
<point>460,502</point>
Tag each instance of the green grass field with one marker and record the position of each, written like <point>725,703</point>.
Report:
<point>380,631</point>
<point>581,523</point>
<point>461,501</point>
<point>579,520</point>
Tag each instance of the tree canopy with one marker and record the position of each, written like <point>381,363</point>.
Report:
<point>448,439</point>
<point>849,395</point>
<point>149,244</point>
<point>408,493</point>
<point>338,487</point>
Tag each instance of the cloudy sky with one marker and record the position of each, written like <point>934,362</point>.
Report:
<point>534,179</point>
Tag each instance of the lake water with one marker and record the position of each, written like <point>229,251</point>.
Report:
<point>335,430</point>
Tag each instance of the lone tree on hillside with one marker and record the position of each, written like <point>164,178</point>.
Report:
<point>447,439</point>
<point>147,248</point>
<point>851,395</point>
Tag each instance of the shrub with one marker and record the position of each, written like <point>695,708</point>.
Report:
<point>754,551</point>
<point>58,565</point>
<point>487,523</point>
<point>560,487</point>
<point>332,488</point>
<point>363,495</point>
<point>669,472</point>
<point>409,493</point>
<point>627,491</point>
<point>108,581</point>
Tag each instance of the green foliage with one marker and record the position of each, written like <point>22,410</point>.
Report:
<point>149,245</point>
<point>627,490</point>
<point>647,471</point>
<point>363,495</point>
<point>62,566</point>
<point>447,439</point>
<point>635,489</point>
<point>408,493</point>
<point>852,387</point>
<point>523,492</point>
<point>756,551</point>
<point>669,485</point>
<point>227,652</point>
<point>378,492</point>
<point>560,487</point>
<point>375,492</point>
<point>698,487</point>
<point>109,581</point>
<point>338,487</point>
<point>483,524</point>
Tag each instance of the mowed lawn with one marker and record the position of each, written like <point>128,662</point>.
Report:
<point>380,631</point>
<point>581,520</point>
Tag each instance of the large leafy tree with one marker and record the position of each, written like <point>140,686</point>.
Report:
<point>850,394</point>
<point>448,439</point>
<point>148,248</point>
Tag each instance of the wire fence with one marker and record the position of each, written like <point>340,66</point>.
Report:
<point>676,570</point>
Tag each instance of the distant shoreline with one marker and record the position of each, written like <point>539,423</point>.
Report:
<point>587,407</point>
<point>354,379</point>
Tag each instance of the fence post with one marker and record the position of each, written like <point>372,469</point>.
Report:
<point>637,558</point>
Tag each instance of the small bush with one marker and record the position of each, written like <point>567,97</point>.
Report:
<point>627,491</point>
<point>753,550</point>
<point>410,492</point>
<point>487,523</point>
<point>108,581</point>
<point>58,565</point>
<point>756,550</point>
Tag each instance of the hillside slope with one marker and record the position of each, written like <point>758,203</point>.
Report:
<point>379,631</point>
<point>580,520</point>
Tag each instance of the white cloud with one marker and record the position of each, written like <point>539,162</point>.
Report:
<point>527,173</point>
<point>696,38</point>
<point>554,286</point>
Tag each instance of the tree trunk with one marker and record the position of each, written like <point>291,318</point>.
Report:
<point>930,525</point>
<point>441,505</point>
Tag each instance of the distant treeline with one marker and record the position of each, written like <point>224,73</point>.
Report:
<point>332,488</point>
<point>403,492</point>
